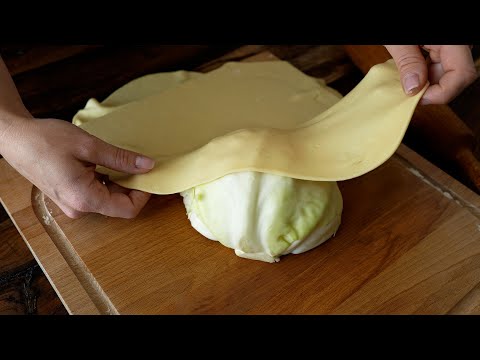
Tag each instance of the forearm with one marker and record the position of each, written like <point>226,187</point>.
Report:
<point>12,110</point>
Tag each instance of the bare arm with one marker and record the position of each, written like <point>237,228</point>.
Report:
<point>60,159</point>
<point>12,110</point>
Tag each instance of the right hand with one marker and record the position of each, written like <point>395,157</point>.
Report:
<point>449,69</point>
<point>60,159</point>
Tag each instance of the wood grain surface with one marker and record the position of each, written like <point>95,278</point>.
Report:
<point>23,287</point>
<point>409,243</point>
<point>22,58</point>
<point>327,61</point>
<point>432,125</point>
<point>53,76</point>
<point>61,88</point>
<point>412,250</point>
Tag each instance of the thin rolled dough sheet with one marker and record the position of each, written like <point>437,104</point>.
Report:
<point>266,117</point>
<point>135,90</point>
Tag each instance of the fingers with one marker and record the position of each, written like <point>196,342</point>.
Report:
<point>64,204</point>
<point>435,73</point>
<point>412,67</point>
<point>452,71</point>
<point>115,188</point>
<point>123,203</point>
<point>112,200</point>
<point>445,91</point>
<point>69,211</point>
<point>98,152</point>
<point>96,195</point>
<point>93,192</point>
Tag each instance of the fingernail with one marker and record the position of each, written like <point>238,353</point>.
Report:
<point>411,82</point>
<point>142,162</point>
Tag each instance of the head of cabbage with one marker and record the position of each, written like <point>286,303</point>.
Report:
<point>264,216</point>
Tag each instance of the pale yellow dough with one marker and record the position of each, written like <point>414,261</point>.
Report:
<point>137,89</point>
<point>266,117</point>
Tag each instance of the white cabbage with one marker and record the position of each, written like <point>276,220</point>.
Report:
<point>264,216</point>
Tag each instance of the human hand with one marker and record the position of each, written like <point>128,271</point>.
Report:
<point>448,68</point>
<point>60,159</point>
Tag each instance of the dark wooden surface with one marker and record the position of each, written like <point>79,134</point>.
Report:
<point>56,81</point>
<point>23,287</point>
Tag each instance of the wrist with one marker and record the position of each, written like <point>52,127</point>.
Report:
<point>10,126</point>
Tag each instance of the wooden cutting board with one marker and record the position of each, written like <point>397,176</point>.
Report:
<point>409,243</point>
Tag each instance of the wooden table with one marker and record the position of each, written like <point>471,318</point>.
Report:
<point>445,196</point>
<point>56,81</point>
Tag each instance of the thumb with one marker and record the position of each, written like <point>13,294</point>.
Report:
<point>101,153</point>
<point>412,67</point>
